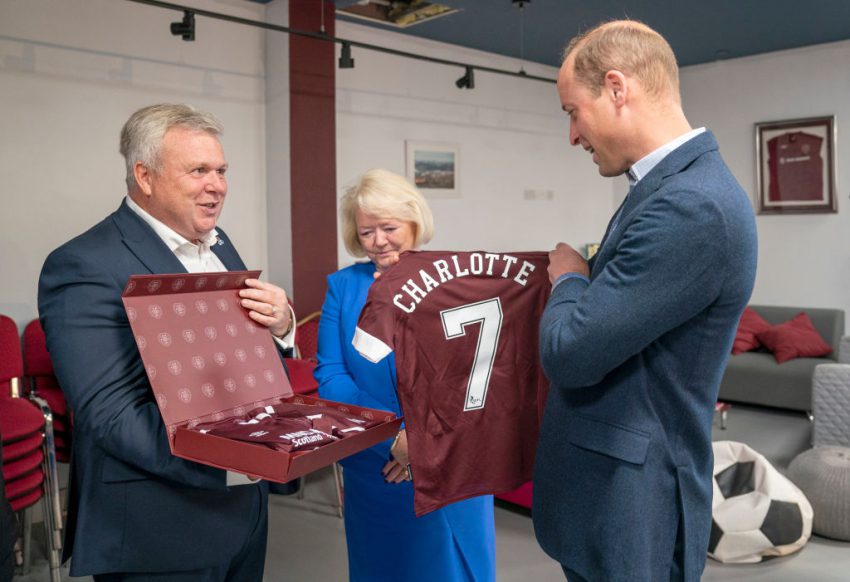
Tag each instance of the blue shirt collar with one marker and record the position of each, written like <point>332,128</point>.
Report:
<point>644,165</point>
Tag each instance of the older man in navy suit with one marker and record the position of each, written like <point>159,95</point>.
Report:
<point>635,340</point>
<point>135,511</point>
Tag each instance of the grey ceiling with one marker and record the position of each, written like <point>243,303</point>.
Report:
<point>699,30</point>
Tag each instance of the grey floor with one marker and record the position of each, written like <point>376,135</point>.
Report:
<point>307,540</point>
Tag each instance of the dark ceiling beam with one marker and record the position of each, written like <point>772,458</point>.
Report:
<point>328,38</point>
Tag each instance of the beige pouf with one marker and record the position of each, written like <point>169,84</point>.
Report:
<point>823,473</point>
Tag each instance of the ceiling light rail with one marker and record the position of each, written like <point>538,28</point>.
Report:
<point>347,44</point>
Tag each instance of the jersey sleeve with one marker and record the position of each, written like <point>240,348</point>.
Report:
<point>373,336</point>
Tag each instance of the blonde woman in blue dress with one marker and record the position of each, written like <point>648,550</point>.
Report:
<point>382,216</point>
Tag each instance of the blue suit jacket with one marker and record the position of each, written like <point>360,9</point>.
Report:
<point>635,360</point>
<point>133,506</point>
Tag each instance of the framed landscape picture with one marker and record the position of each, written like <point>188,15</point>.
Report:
<point>433,167</point>
<point>796,166</point>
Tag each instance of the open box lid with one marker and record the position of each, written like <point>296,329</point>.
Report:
<point>204,357</point>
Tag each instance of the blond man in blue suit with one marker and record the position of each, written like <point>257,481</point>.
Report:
<point>136,512</point>
<point>635,340</point>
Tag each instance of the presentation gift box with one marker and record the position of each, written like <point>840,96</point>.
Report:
<point>207,361</point>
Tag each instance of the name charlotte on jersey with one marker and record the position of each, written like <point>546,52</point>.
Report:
<point>491,264</point>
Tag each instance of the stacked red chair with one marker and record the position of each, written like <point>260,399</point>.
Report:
<point>307,336</point>
<point>519,496</point>
<point>301,377</point>
<point>39,370</point>
<point>29,458</point>
<point>306,345</point>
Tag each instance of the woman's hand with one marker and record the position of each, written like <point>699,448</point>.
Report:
<point>398,469</point>
<point>390,261</point>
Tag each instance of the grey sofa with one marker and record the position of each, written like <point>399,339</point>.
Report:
<point>756,378</point>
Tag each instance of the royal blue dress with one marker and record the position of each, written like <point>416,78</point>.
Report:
<point>386,541</point>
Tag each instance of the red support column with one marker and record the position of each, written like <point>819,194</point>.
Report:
<point>312,70</point>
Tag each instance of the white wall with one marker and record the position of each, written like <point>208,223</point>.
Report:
<point>71,73</point>
<point>511,132</point>
<point>803,259</point>
<point>279,197</point>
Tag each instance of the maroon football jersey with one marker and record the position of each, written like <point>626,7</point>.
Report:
<point>324,418</point>
<point>285,433</point>
<point>796,167</point>
<point>464,328</point>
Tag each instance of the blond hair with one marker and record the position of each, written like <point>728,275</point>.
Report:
<point>386,195</point>
<point>141,136</point>
<point>630,47</point>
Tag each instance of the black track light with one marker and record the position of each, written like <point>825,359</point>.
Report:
<point>186,28</point>
<point>345,60</point>
<point>468,79</point>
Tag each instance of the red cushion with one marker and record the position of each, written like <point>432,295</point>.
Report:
<point>22,466</point>
<point>749,327</point>
<point>36,359</point>
<point>26,491</point>
<point>796,338</point>
<point>54,398</point>
<point>519,496</point>
<point>23,447</point>
<point>60,425</point>
<point>19,418</point>
<point>301,376</point>
<point>307,338</point>
<point>11,360</point>
<point>63,453</point>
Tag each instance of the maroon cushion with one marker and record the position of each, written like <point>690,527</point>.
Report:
<point>23,447</point>
<point>26,494</point>
<point>19,418</point>
<point>36,359</point>
<point>22,466</point>
<point>749,327</point>
<point>60,425</point>
<point>796,338</point>
<point>54,398</point>
<point>519,496</point>
<point>301,376</point>
<point>24,484</point>
<point>11,360</point>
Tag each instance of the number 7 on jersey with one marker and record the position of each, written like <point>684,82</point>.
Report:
<point>489,314</point>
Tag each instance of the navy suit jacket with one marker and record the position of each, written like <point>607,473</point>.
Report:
<point>635,359</point>
<point>133,506</point>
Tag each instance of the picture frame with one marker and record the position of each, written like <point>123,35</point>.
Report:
<point>434,168</point>
<point>796,166</point>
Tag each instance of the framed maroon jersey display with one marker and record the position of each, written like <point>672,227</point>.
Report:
<point>207,361</point>
<point>796,165</point>
<point>464,329</point>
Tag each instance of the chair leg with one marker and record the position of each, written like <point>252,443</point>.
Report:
<point>26,540</point>
<point>52,550</point>
<point>339,491</point>
<point>51,474</point>
<point>302,484</point>
<point>52,502</point>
